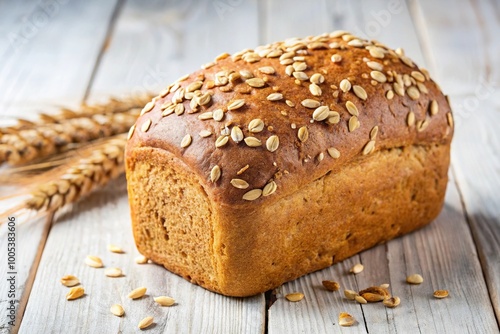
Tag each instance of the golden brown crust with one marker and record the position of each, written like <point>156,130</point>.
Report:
<point>296,163</point>
<point>354,151</point>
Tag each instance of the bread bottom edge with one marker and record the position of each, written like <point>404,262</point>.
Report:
<point>371,201</point>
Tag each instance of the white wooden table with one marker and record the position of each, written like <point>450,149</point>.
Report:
<point>63,52</point>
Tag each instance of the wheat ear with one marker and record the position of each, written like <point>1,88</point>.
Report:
<point>80,177</point>
<point>114,105</point>
<point>29,145</point>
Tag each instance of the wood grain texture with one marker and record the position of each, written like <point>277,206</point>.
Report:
<point>88,229</point>
<point>432,252</point>
<point>474,97</point>
<point>33,74</point>
<point>141,43</point>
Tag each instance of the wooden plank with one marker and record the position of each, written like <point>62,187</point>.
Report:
<point>470,37</point>
<point>141,43</point>
<point>433,252</point>
<point>53,66</point>
<point>40,68</point>
<point>391,263</point>
<point>88,229</point>
<point>158,43</point>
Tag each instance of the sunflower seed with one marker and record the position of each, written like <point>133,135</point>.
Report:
<point>303,134</point>
<point>349,294</point>
<point>377,52</point>
<point>351,108</point>
<point>389,95</point>
<point>217,115</point>
<point>204,99</point>
<point>331,285</point>
<point>236,104</point>
<point>275,97</point>
<point>399,89</point>
<point>70,280</point>
<point>441,294</point>
<point>378,76</point>
<point>422,125</point>
<point>356,43</point>
<point>360,299</point>
<point>252,142</point>
<point>236,134</point>
<point>321,113</point>
<point>449,117</point>
<point>375,65</point>
<point>414,279</point>
<point>267,70</point>
<point>255,82</point>
<point>206,115</point>
<point>186,141</point>
<point>369,147</point>
<point>333,152</point>
<point>299,66</point>
<point>336,58</point>
<point>294,297</point>
<point>272,143</point>
<point>113,272</point>
<point>215,173</point>
<point>413,92</point>
<point>310,103</point>
<point>256,125</point>
<point>93,261</point>
<point>410,120</point>
<point>345,85</point>
<point>164,300</point>
<point>147,108</point>
<point>131,132</point>
<point>434,108</point>
<point>252,194</point>
<point>145,126</point>
<point>141,259</point>
<point>145,323</point>
<point>422,88</point>
<point>75,293</point>
<point>115,249</point>
<point>290,103</point>
<point>221,141</point>
<point>392,302</point>
<point>360,92</point>
<point>269,189</point>
<point>418,76</point>
<point>137,293</point>
<point>178,96</point>
<point>239,183</point>
<point>315,89</point>
<point>374,132</point>
<point>407,61</point>
<point>353,123</point>
<point>346,320</point>
<point>117,310</point>
<point>357,268</point>
<point>205,133</point>
<point>194,86</point>
<point>300,76</point>
<point>317,78</point>
<point>384,286</point>
<point>289,70</point>
<point>333,117</point>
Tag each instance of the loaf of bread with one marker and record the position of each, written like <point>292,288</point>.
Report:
<point>272,163</point>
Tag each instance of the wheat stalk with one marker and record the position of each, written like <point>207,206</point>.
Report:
<point>28,145</point>
<point>114,105</point>
<point>78,178</point>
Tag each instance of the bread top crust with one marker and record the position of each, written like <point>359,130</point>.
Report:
<point>291,86</point>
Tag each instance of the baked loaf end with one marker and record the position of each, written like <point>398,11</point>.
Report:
<point>275,162</point>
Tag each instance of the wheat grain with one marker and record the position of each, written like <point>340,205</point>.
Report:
<point>114,105</point>
<point>80,176</point>
<point>31,144</point>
